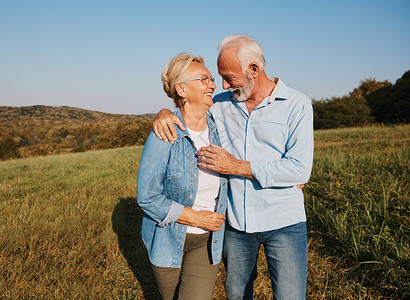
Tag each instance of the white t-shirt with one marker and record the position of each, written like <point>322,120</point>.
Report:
<point>208,181</point>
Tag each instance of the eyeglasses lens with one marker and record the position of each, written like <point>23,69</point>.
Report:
<point>205,80</point>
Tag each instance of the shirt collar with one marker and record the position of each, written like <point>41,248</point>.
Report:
<point>181,134</point>
<point>279,91</point>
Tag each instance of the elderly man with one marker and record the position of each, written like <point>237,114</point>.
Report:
<point>266,133</point>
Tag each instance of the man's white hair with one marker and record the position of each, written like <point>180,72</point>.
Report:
<point>248,50</point>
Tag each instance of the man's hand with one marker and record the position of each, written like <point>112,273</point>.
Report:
<point>219,160</point>
<point>164,127</point>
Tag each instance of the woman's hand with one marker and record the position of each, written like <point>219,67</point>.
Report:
<point>207,220</point>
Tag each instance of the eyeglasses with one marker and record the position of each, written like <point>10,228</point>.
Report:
<point>204,79</point>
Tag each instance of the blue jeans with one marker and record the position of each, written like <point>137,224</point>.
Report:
<point>286,255</point>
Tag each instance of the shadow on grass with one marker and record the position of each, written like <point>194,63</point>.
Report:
<point>126,223</point>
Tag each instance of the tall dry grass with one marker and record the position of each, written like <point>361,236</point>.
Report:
<point>70,223</point>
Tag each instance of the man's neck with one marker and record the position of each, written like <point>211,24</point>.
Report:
<point>263,88</point>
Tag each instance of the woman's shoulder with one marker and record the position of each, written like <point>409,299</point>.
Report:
<point>156,143</point>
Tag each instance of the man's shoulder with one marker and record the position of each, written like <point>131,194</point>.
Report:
<point>221,102</point>
<point>223,97</point>
<point>297,96</point>
<point>297,100</point>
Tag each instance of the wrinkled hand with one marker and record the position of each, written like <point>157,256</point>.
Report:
<point>217,159</point>
<point>164,127</point>
<point>209,220</point>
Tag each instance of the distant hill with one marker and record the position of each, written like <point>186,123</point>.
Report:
<point>41,130</point>
<point>52,113</point>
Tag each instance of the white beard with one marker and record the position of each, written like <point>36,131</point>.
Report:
<point>244,91</point>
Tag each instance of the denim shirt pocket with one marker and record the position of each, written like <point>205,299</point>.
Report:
<point>171,174</point>
<point>173,183</point>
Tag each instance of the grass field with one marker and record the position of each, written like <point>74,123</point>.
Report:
<point>70,223</point>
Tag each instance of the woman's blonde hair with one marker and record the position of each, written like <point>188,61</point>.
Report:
<point>174,73</point>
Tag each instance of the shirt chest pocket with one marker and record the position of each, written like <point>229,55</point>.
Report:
<point>173,181</point>
<point>273,134</point>
<point>171,174</point>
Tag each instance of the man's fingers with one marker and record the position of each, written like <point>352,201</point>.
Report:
<point>210,149</point>
<point>167,131</point>
<point>206,154</point>
<point>206,160</point>
<point>164,125</point>
<point>160,133</point>
<point>155,128</point>
<point>209,166</point>
<point>178,122</point>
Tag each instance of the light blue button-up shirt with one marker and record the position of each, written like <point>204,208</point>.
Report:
<point>277,139</point>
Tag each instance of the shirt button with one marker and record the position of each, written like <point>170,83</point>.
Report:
<point>221,205</point>
<point>223,184</point>
<point>215,241</point>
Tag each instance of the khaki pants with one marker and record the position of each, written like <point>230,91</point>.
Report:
<point>196,278</point>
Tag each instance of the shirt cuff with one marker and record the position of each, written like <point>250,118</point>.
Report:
<point>173,215</point>
<point>258,169</point>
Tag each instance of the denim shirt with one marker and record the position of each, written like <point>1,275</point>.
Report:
<point>168,182</point>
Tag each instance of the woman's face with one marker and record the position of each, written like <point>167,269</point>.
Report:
<point>197,93</point>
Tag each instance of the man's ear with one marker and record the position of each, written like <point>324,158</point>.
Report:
<point>180,89</point>
<point>254,70</point>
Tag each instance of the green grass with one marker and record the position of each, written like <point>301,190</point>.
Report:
<point>70,227</point>
<point>358,204</point>
<point>70,223</point>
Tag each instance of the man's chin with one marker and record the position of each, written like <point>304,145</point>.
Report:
<point>238,96</point>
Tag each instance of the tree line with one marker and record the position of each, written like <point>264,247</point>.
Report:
<point>372,102</point>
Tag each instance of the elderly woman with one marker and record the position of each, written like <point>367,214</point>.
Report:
<point>184,205</point>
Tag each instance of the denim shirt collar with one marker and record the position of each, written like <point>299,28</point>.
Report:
<point>182,134</point>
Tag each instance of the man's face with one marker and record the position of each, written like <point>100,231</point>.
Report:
<point>233,79</point>
<point>243,93</point>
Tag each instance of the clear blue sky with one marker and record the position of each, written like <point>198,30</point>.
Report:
<point>108,55</point>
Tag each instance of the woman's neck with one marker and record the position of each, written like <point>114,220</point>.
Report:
<point>194,119</point>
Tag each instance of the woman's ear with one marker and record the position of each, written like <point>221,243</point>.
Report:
<point>180,89</point>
